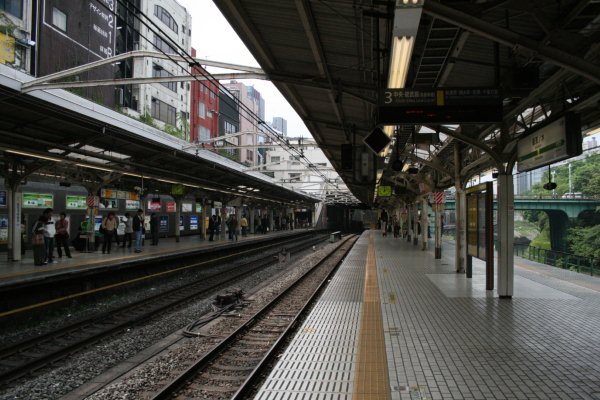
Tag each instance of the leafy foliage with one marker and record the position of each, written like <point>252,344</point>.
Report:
<point>585,241</point>
<point>584,177</point>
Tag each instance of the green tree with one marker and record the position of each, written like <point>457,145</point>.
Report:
<point>585,241</point>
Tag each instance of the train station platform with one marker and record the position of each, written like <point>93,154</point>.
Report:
<point>395,323</point>
<point>24,271</point>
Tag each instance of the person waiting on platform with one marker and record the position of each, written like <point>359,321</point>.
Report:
<point>49,232</point>
<point>244,225</point>
<point>232,223</point>
<point>38,243</point>
<point>109,228</point>
<point>154,228</point>
<point>212,227</point>
<point>138,229</point>
<point>62,235</point>
<point>128,230</point>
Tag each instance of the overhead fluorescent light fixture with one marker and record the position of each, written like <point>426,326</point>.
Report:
<point>33,155</point>
<point>400,61</point>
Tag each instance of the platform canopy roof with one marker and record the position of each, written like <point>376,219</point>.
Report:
<point>63,137</point>
<point>331,58</point>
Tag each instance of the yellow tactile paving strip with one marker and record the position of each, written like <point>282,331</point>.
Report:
<point>371,377</point>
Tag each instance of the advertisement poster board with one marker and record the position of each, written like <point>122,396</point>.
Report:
<point>193,222</point>
<point>121,226</point>
<point>38,200</point>
<point>132,205</point>
<point>3,229</point>
<point>108,204</point>
<point>198,207</point>
<point>154,205</point>
<point>163,224</point>
<point>171,206</point>
<point>97,222</point>
<point>186,207</point>
<point>76,202</point>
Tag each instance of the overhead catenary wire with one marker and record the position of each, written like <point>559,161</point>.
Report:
<point>174,45</point>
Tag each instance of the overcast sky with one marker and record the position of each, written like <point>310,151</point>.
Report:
<point>214,39</point>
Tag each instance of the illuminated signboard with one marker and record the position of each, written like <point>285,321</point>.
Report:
<point>76,202</point>
<point>37,200</point>
<point>443,105</point>
<point>556,140</point>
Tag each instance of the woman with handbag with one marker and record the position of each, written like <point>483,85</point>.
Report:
<point>38,243</point>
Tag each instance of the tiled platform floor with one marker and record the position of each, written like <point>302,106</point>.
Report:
<point>24,269</point>
<point>446,338</point>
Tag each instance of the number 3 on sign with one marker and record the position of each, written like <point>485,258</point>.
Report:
<point>388,97</point>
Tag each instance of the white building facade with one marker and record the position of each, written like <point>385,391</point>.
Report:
<point>167,103</point>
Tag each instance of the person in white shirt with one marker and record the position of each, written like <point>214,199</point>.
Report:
<point>49,232</point>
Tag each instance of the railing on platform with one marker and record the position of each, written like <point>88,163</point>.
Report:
<point>560,259</point>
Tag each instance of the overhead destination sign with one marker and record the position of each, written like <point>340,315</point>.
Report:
<point>443,105</point>
<point>554,141</point>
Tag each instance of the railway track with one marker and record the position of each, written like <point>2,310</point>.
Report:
<point>232,367</point>
<point>31,355</point>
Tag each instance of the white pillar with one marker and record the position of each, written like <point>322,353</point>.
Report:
<point>202,224</point>
<point>460,207</point>
<point>438,231</point>
<point>13,200</point>
<point>177,217</point>
<point>416,223</point>
<point>505,220</point>
<point>461,238</point>
<point>424,223</point>
<point>409,222</point>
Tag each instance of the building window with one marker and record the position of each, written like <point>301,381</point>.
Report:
<point>165,18</point>
<point>249,155</point>
<point>213,94</point>
<point>59,19</point>
<point>275,159</point>
<point>229,128</point>
<point>14,7</point>
<point>203,134</point>
<point>201,110</point>
<point>159,72</point>
<point>164,112</point>
<point>163,46</point>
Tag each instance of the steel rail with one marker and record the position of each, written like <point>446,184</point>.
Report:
<point>115,320</point>
<point>197,367</point>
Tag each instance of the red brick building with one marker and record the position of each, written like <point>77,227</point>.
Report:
<point>204,109</point>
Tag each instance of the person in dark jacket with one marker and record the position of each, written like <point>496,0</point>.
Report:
<point>154,228</point>
<point>212,227</point>
<point>138,229</point>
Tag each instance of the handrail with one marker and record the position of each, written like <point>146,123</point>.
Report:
<point>561,259</point>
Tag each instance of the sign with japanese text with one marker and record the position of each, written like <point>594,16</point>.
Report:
<point>442,105</point>
<point>38,200</point>
<point>76,202</point>
<point>554,141</point>
<point>163,224</point>
<point>193,222</point>
<point>7,49</point>
<point>171,206</point>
